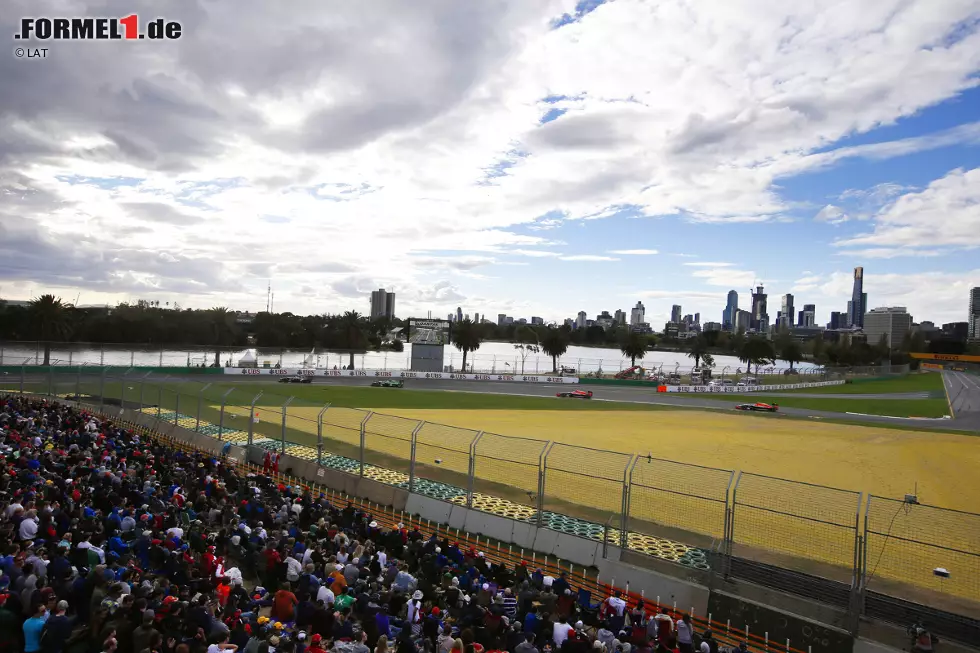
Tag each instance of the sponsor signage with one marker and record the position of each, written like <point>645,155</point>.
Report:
<point>959,358</point>
<point>402,374</point>
<point>733,389</point>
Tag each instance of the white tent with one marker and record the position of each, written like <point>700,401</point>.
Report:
<point>248,360</point>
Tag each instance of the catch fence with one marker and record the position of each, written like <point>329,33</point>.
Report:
<point>649,504</point>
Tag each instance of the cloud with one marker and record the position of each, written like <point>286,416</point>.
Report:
<point>587,257</point>
<point>725,276</point>
<point>945,214</point>
<point>363,134</point>
<point>634,252</point>
<point>534,253</point>
<point>831,214</point>
<point>708,264</point>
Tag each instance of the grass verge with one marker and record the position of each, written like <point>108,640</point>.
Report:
<point>885,407</point>
<point>916,382</point>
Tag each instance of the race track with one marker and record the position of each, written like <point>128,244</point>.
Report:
<point>963,391</point>
<point>967,419</point>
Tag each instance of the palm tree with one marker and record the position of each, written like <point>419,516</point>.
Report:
<point>555,344</point>
<point>633,346</point>
<point>50,321</point>
<point>352,333</point>
<point>466,336</point>
<point>220,330</point>
<point>697,349</point>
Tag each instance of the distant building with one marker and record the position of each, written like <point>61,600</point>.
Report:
<point>893,322</point>
<point>569,322</point>
<point>731,309</point>
<point>836,320</point>
<point>459,314</point>
<point>743,320</point>
<point>580,322</point>
<point>857,308</point>
<point>958,331</point>
<point>809,315</point>
<point>382,304</point>
<point>760,314</point>
<point>973,314</point>
<point>675,314</point>
<point>501,319</point>
<point>638,314</point>
<point>620,317</point>
<point>712,326</point>
<point>787,312</point>
<point>537,320</point>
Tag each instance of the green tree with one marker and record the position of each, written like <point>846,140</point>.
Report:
<point>697,348</point>
<point>757,351</point>
<point>466,336</point>
<point>49,318</point>
<point>791,352</point>
<point>633,346</point>
<point>352,334</point>
<point>555,343</point>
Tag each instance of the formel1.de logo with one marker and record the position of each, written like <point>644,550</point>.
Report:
<point>45,28</point>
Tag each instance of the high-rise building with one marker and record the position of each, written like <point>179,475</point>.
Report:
<point>537,320</point>
<point>760,315</point>
<point>836,320</point>
<point>731,309</point>
<point>809,315</point>
<point>580,322</point>
<point>382,304</point>
<point>675,314</point>
<point>858,299</point>
<point>743,320</point>
<point>620,317</point>
<point>973,314</point>
<point>501,318</point>
<point>459,314</point>
<point>893,322</point>
<point>638,314</point>
<point>697,318</point>
<point>787,317</point>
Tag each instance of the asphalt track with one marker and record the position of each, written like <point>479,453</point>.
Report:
<point>965,419</point>
<point>963,391</point>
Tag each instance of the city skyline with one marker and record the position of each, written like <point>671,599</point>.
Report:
<point>534,159</point>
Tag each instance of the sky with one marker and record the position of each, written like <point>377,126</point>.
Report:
<point>528,158</point>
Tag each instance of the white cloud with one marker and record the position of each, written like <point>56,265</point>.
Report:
<point>831,214</point>
<point>377,136</point>
<point>708,264</point>
<point>587,257</point>
<point>945,214</point>
<point>634,252</point>
<point>726,276</point>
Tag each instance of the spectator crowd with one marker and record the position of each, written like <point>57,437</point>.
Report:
<point>113,541</point>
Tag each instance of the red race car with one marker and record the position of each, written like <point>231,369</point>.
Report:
<point>759,406</point>
<point>576,394</point>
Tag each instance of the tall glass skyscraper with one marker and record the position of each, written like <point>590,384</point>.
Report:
<point>858,300</point>
<point>731,311</point>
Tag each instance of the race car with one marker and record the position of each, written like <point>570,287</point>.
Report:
<point>576,394</point>
<point>759,406</point>
<point>296,379</point>
<point>388,383</point>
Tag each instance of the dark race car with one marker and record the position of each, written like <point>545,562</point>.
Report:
<point>388,383</point>
<point>296,379</point>
<point>576,394</point>
<point>759,407</point>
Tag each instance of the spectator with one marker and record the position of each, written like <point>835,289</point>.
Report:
<point>32,629</point>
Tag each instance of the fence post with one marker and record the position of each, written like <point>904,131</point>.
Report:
<point>731,521</point>
<point>627,491</point>
<point>470,481</point>
<point>542,472</point>
<point>282,442</point>
<point>411,462</point>
<point>726,543</point>
<point>251,417</point>
<point>364,439</point>
<point>102,389</point>
<point>221,418</point>
<point>200,402</point>
<point>319,434</point>
<point>854,610</point>
<point>23,373</point>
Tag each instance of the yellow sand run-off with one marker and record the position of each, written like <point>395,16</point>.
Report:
<point>941,468</point>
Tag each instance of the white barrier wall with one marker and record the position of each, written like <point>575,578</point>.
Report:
<point>398,374</point>
<point>735,390</point>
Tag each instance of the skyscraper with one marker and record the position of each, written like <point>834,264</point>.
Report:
<point>809,315</point>
<point>382,304</point>
<point>638,314</point>
<point>675,314</point>
<point>973,315</point>
<point>459,314</point>
<point>858,300</point>
<point>580,320</point>
<point>620,317</point>
<point>787,319</point>
<point>892,322</point>
<point>731,311</point>
<point>760,314</point>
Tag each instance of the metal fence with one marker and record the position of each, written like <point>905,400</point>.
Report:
<point>865,543</point>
